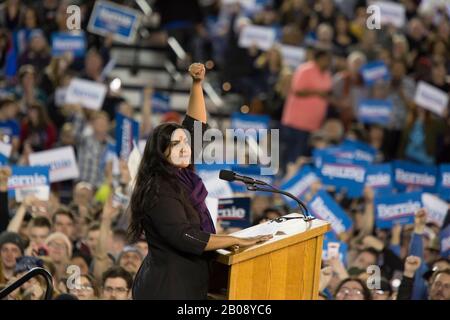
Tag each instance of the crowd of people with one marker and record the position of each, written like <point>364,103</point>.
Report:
<point>315,105</point>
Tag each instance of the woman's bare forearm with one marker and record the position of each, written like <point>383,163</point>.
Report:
<point>197,108</point>
<point>220,242</point>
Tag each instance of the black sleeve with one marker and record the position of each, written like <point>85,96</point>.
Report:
<point>405,289</point>
<point>189,124</point>
<point>4,211</point>
<point>391,263</point>
<point>170,222</point>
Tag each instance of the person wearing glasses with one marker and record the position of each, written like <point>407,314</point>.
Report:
<point>168,206</point>
<point>116,284</point>
<point>87,289</point>
<point>352,289</point>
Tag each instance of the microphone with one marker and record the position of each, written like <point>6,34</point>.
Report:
<point>252,185</point>
<point>233,176</point>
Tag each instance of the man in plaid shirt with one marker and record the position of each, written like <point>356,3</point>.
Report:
<point>92,148</point>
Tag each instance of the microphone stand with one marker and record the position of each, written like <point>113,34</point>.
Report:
<point>305,213</point>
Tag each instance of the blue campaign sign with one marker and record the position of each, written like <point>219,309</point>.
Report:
<point>249,121</point>
<point>110,18</point>
<point>252,171</point>
<point>396,209</point>
<point>299,184</point>
<point>127,131</point>
<point>362,151</point>
<point>411,176</point>
<point>445,242</point>
<point>444,181</point>
<point>63,42</point>
<point>375,71</point>
<point>344,174</point>
<point>160,102</point>
<point>379,178</point>
<point>23,177</point>
<point>3,160</point>
<point>375,111</point>
<point>234,213</point>
<point>349,150</point>
<point>323,207</point>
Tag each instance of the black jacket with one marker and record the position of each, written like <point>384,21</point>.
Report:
<point>176,266</point>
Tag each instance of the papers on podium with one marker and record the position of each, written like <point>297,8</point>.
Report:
<point>279,230</point>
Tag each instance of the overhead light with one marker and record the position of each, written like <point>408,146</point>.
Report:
<point>115,85</point>
<point>245,108</point>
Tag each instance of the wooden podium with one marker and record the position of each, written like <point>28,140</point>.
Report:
<point>286,267</point>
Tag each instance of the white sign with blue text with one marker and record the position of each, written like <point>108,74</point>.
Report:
<point>445,242</point>
<point>119,21</point>
<point>216,187</point>
<point>261,37</point>
<point>5,149</point>
<point>89,94</point>
<point>391,13</point>
<point>62,163</point>
<point>293,56</point>
<point>431,98</point>
<point>436,208</point>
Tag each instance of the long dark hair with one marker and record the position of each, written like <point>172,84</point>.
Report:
<point>153,169</point>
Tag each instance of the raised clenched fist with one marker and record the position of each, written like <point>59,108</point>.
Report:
<point>412,263</point>
<point>197,72</point>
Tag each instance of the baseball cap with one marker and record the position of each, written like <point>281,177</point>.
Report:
<point>26,263</point>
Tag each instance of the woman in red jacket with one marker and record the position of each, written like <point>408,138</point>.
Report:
<point>37,130</point>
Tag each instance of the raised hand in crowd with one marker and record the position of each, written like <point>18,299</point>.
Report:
<point>420,221</point>
<point>326,274</point>
<point>412,263</point>
<point>5,173</point>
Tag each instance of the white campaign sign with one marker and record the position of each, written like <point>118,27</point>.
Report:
<point>262,37</point>
<point>248,4</point>
<point>40,192</point>
<point>436,208</point>
<point>5,149</point>
<point>60,96</point>
<point>293,56</point>
<point>216,188</point>
<point>391,13</point>
<point>431,98</point>
<point>89,94</point>
<point>62,162</point>
<point>213,207</point>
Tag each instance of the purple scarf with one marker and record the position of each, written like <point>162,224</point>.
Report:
<point>197,194</point>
